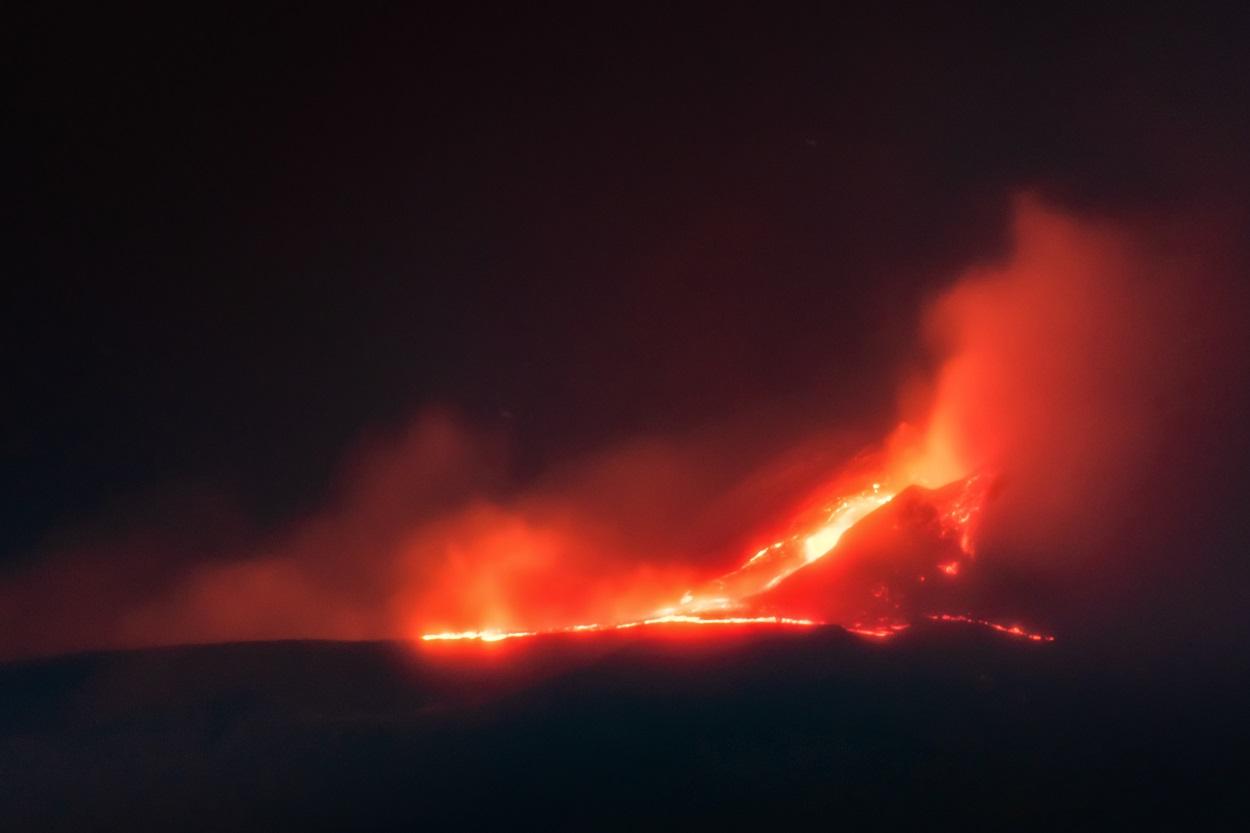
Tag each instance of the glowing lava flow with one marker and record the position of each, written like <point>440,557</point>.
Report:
<point>729,598</point>
<point>875,632</point>
<point>764,570</point>
<point>776,562</point>
<point>848,513</point>
<point>672,618</point>
<point>483,636</point>
<point>1013,630</point>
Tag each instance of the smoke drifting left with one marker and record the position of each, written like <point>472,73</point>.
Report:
<point>422,531</point>
<point>1064,369</point>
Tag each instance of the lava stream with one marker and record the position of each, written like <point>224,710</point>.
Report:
<point>875,632</point>
<point>675,618</point>
<point>956,509</point>
<point>1012,630</point>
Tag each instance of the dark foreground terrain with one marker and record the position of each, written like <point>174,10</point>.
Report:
<point>945,725</point>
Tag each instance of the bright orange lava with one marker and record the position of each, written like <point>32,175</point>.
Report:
<point>892,539</point>
<point>497,636</point>
<point>1013,630</point>
<point>727,600</point>
<point>880,632</point>
<point>873,632</point>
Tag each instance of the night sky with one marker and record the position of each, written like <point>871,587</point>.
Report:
<point>239,239</point>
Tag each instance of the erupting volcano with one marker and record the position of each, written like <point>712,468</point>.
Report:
<point>891,539</point>
<point>872,561</point>
<point>1025,412</point>
<point>446,417</point>
<point>1039,394</point>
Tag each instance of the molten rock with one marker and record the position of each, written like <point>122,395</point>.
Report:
<point>904,561</point>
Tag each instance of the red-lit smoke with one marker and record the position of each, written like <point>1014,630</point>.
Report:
<point>1054,363</point>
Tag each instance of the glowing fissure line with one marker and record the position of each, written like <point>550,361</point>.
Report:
<point>1013,630</point>
<point>673,618</point>
<point>873,631</point>
<point>484,636</point>
<point>728,620</point>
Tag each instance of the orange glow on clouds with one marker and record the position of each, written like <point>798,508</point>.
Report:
<point>1013,333</point>
<point>730,599</point>
<point>1012,446</point>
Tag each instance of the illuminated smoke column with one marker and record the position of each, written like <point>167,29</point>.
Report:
<point>1049,367</point>
<point>1017,452</point>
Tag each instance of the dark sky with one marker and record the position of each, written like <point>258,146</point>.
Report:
<point>238,237</point>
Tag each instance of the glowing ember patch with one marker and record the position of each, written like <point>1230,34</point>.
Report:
<point>1013,630</point>
<point>951,569</point>
<point>963,517</point>
<point>878,632</point>
<point>481,636</point>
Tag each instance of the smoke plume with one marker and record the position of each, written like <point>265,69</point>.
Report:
<point>1086,368</point>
